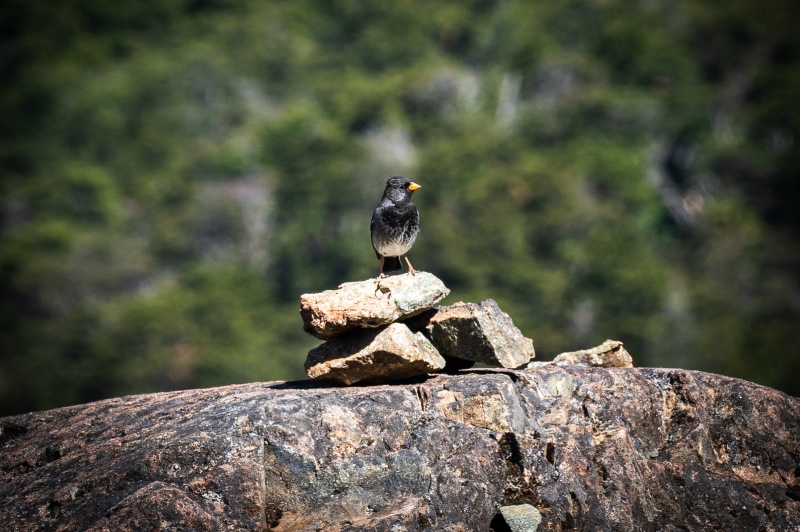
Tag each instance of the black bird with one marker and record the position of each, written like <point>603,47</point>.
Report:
<point>395,225</point>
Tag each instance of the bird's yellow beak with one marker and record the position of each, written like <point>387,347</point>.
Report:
<point>414,186</point>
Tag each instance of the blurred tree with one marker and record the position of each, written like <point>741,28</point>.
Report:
<point>176,173</point>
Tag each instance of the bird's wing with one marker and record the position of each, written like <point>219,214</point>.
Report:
<point>372,230</point>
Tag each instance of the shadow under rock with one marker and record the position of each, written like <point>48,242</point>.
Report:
<point>321,384</point>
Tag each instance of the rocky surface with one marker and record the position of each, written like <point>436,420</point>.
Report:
<point>611,449</point>
<point>370,303</point>
<point>374,355</point>
<point>609,354</point>
<point>479,332</point>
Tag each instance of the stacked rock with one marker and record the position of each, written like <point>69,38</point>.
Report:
<point>388,329</point>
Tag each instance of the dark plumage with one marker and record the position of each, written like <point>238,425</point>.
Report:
<point>395,224</point>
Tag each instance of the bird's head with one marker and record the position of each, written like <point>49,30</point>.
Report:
<point>399,189</point>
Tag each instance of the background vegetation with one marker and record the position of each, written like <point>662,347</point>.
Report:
<point>175,173</point>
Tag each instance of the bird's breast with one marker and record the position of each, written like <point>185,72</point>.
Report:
<point>395,230</point>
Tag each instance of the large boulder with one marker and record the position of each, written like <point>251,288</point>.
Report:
<point>374,355</point>
<point>370,303</point>
<point>610,449</point>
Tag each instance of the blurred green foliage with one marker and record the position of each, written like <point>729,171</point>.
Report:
<point>177,172</point>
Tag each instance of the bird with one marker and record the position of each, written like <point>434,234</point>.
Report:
<point>395,225</point>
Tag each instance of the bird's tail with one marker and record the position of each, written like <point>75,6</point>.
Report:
<point>391,264</point>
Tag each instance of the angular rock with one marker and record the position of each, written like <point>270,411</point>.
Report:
<point>482,333</point>
<point>373,355</point>
<point>609,354</point>
<point>517,518</point>
<point>605,449</point>
<point>369,303</point>
<point>419,323</point>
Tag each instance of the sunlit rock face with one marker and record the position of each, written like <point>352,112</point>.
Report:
<point>370,303</point>
<point>609,354</point>
<point>374,355</point>
<point>588,448</point>
<point>479,332</point>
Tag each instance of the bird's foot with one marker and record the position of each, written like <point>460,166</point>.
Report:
<point>412,271</point>
<point>382,276</point>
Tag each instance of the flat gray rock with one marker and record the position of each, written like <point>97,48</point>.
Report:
<point>482,333</point>
<point>609,354</point>
<point>369,304</point>
<point>374,355</point>
<point>521,517</point>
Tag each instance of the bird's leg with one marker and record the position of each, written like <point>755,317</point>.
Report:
<point>382,275</point>
<point>411,269</point>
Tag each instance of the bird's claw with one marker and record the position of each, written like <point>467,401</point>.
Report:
<point>412,271</point>
<point>382,276</point>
